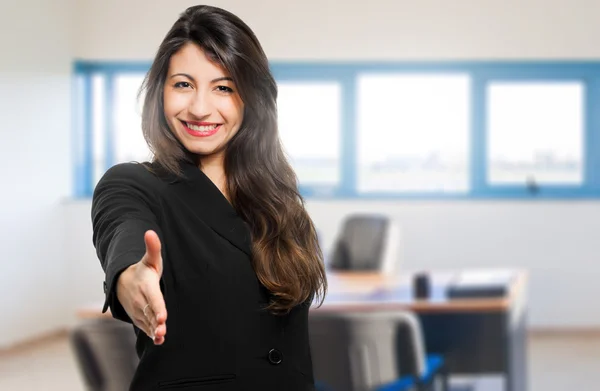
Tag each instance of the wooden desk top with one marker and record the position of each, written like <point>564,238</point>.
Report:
<point>360,291</point>
<point>373,291</point>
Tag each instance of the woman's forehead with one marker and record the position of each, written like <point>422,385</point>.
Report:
<point>194,61</point>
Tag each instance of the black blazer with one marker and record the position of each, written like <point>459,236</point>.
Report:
<point>219,337</point>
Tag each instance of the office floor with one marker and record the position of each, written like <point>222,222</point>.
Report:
<point>557,363</point>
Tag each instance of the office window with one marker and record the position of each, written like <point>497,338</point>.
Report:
<point>98,110</point>
<point>458,130</point>
<point>309,128</point>
<point>535,133</point>
<point>129,140</point>
<point>115,122</point>
<point>413,133</point>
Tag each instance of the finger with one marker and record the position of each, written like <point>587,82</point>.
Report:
<point>159,334</point>
<point>157,303</point>
<point>149,316</point>
<point>143,325</point>
<point>153,257</point>
<point>151,332</point>
<point>160,331</point>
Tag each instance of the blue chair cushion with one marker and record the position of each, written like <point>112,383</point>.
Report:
<point>433,365</point>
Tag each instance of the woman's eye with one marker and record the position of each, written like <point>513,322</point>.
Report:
<point>224,89</point>
<point>182,84</point>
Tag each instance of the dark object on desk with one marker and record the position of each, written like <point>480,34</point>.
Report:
<point>480,285</point>
<point>421,286</point>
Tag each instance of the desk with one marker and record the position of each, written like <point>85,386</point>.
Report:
<point>477,336</point>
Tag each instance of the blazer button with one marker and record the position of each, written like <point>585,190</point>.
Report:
<point>275,357</point>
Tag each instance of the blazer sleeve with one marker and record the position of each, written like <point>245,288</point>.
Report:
<point>125,204</point>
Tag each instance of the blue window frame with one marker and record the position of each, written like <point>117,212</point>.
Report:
<point>490,116</point>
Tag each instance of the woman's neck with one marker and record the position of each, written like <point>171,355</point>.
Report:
<point>214,169</point>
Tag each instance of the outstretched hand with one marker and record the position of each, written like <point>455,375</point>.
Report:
<point>138,291</point>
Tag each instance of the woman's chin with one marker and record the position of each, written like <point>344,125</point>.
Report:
<point>203,147</point>
<point>204,150</point>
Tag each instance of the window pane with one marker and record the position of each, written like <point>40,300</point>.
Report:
<point>309,127</point>
<point>129,140</point>
<point>80,116</point>
<point>98,127</point>
<point>535,132</point>
<point>413,133</point>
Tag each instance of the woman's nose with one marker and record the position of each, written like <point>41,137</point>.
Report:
<point>201,105</point>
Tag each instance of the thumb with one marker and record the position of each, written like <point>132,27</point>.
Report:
<point>153,258</point>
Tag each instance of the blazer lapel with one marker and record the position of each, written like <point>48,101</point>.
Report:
<point>209,204</point>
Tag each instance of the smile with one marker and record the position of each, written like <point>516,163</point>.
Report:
<point>201,130</point>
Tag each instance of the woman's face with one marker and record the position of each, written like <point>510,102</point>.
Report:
<point>201,102</point>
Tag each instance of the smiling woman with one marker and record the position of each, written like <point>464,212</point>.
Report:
<point>213,231</point>
<point>202,105</point>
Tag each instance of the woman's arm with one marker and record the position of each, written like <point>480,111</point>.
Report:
<point>125,205</point>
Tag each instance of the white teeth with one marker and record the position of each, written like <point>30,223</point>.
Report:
<point>202,128</point>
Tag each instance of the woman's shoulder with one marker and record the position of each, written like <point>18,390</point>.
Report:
<point>129,170</point>
<point>143,174</point>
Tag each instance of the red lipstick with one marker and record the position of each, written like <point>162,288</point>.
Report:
<point>207,128</point>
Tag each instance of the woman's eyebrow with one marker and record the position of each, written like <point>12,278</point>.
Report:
<point>224,78</point>
<point>218,79</point>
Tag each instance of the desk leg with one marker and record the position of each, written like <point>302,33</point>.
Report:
<point>516,377</point>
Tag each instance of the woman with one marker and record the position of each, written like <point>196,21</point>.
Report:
<point>213,232</point>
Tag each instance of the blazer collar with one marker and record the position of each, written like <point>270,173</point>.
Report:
<point>209,204</point>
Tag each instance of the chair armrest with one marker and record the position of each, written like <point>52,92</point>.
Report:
<point>411,342</point>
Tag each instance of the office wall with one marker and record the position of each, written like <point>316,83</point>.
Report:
<point>374,29</point>
<point>36,43</point>
<point>555,240</point>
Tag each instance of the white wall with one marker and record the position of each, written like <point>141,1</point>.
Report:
<point>40,260</point>
<point>367,29</point>
<point>35,111</point>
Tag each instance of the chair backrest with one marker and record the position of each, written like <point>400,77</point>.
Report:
<point>360,351</point>
<point>105,353</point>
<point>367,242</point>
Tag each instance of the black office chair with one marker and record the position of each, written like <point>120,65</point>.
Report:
<point>105,354</point>
<point>372,351</point>
<point>367,242</point>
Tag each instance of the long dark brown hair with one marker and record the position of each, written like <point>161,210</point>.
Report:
<point>261,184</point>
